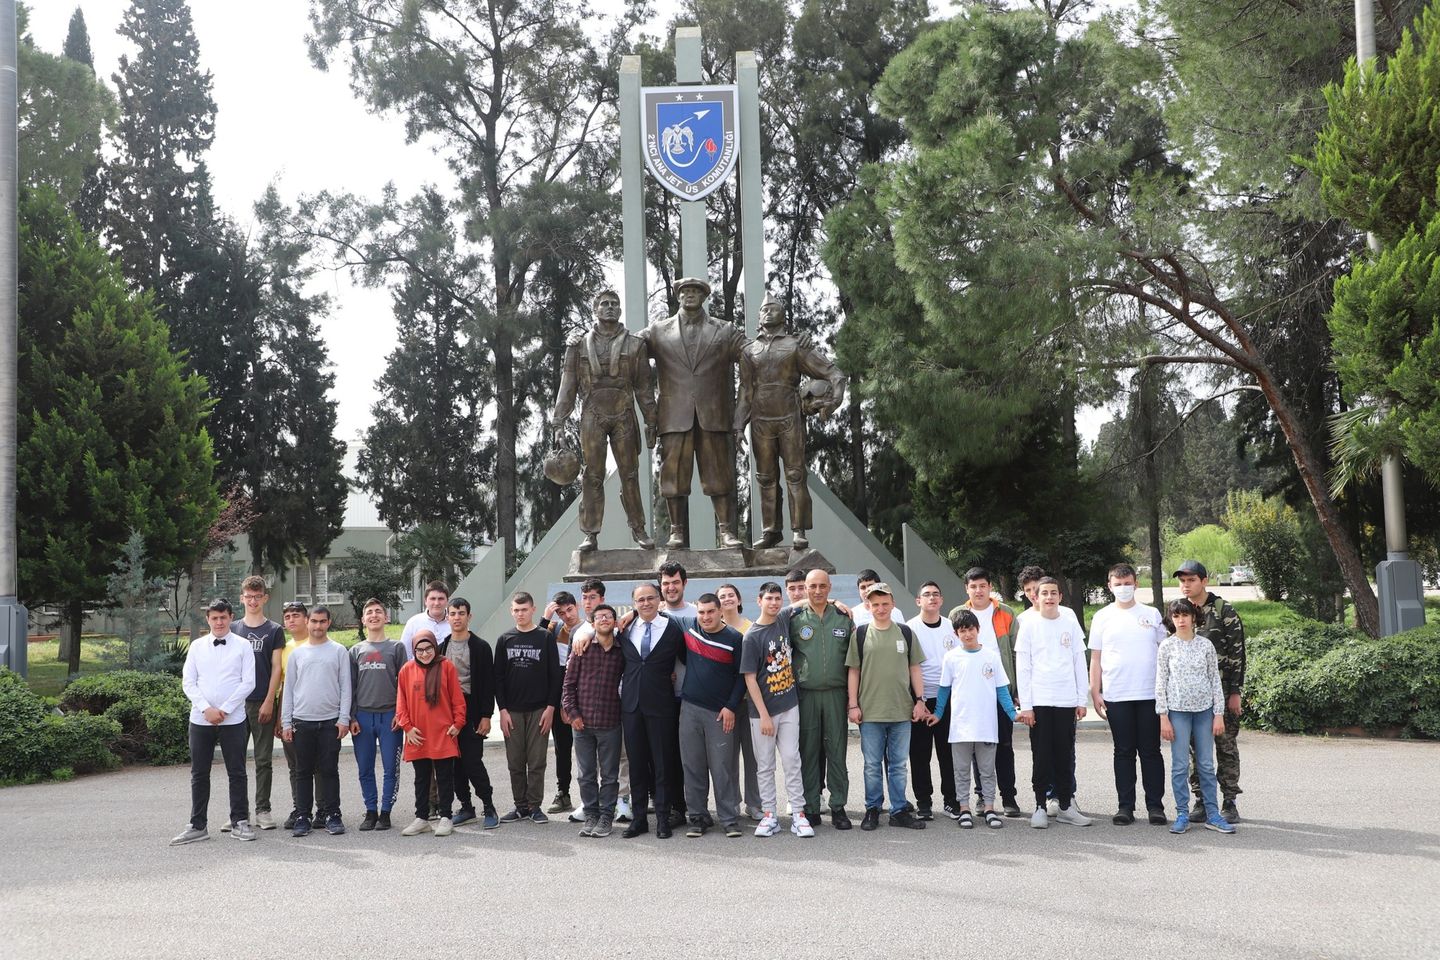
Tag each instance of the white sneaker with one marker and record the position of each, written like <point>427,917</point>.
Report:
<point>800,826</point>
<point>769,826</point>
<point>1052,807</point>
<point>444,827</point>
<point>577,815</point>
<point>241,830</point>
<point>193,834</point>
<point>623,813</point>
<point>1074,817</point>
<point>421,825</point>
<point>264,821</point>
<point>1038,819</point>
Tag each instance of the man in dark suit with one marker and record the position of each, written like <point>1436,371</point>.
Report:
<point>650,644</point>
<point>695,358</point>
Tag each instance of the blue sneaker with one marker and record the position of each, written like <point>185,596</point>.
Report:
<point>302,826</point>
<point>463,816</point>
<point>491,820</point>
<point>334,825</point>
<point>1181,824</point>
<point>1219,824</point>
<point>538,816</point>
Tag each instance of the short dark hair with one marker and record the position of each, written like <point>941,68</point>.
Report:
<point>522,597</point>
<point>220,605</point>
<point>371,602</point>
<point>964,618</point>
<point>1183,605</point>
<point>460,603</point>
<point>293,606</point>
<point>604,606</point>
<point>930,583</point>
<point>978,573</point>
<point>593,585</point>
<point>321,609</point>
<point>867,576</point>
<point>796,575</point>
<point>1046,581</point>
<point>769,587</point>
<point>1030,574</point>
<point>707,598</point>
<point>564,598</point>
<point>672,569</point>
<point>434,585</point>
<point>1122,570</point>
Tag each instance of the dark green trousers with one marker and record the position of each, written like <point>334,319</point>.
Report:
<point>824,735</point>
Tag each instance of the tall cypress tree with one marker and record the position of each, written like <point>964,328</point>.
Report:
<point>77,41</point>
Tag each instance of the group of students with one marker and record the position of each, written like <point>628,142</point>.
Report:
<point>686,694</point>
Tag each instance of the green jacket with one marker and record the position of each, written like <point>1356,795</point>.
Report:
<point>819,645</point>
<point>1222,625</point>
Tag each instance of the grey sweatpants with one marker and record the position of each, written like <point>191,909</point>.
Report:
<point>983,754</point>
<point>707,752</point>
<point>787,742</point>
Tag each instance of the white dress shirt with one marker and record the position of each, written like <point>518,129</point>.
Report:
<point>219,672</point>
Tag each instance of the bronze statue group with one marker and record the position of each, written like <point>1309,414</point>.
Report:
<point>704,715</point>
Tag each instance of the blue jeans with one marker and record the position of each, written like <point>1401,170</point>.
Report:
<point>376,732</point>
<point>887,743</point>
<point>1192,727</point>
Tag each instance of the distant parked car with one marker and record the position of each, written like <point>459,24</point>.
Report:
<point>1237,575</point>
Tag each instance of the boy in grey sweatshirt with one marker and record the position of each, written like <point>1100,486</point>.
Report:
<point>375,664</point>
<point>315,714</point>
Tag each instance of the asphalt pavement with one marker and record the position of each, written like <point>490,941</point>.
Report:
<point>1338,856</point>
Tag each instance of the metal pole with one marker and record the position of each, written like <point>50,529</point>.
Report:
<point>13,619</point>
<point>1402,595</point>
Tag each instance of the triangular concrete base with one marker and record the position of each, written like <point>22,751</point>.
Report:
<point>838,536</point>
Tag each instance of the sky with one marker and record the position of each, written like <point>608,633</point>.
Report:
<point>281,120</point>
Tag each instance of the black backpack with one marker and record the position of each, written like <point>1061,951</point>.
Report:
<point>862,630</point>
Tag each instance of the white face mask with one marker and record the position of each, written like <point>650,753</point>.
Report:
<point>1125,593</point>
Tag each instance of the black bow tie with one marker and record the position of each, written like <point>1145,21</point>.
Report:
<point>219,641</point>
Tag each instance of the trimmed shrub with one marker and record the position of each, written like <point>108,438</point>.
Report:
<point>1309,677</point>
<point>150,709</point>
<point>36,744</point>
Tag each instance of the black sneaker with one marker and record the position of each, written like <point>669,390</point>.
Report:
<point>1197,812</point>
<point>515,816</point>
<point>1123,817</point>
<point>1157,817</point>
<point>925,813</point>
<point>302,826</point>
<point>907,819</point>
<point>839,819</point>
<point>371,819</point>
<point>872,819</point>
<point>384,822</point>
<point>290,820</point>
<point>952,811</point>
<point>1012,809</point>
<point>463,816</point>
<point>696,829</point>
<point>334,825</point>
<point>1230,812</point>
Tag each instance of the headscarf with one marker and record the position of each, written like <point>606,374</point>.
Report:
<point>432,669</point>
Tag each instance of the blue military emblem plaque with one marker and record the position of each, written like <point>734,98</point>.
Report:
<point>691,137</point>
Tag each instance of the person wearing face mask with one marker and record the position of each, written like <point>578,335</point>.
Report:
<point>1125,638</point>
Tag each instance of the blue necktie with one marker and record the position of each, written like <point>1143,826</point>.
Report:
<point>645,643</point>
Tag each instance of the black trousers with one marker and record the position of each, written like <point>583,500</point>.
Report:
<point>1135,729</point>
<point>649,743</point>
<point>564,749</point>
<point>470,770</point>
<point>1004,759</point>
<point>443,772</point>
<point>317,755</point>
<point>1052,749</point>
<point>924,740</point>
<point>232,738</point>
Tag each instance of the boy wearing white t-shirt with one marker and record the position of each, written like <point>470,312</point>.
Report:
<point>972,684</point>
<point>1030,585</point>
<point>1125,637</point>
<point>937,638</point>
<point>1050,661</point>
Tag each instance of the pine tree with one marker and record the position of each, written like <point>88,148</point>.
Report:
<point>112,438</point>
<point>77,41</point>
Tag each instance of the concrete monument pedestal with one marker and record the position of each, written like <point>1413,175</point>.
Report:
<point>737,562</point>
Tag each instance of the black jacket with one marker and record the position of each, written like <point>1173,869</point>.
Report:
<point>645,686</point>
<point>480,701</point>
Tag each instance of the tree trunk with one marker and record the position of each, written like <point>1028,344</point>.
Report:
<point>1367,608</point>
<point>1150,478</point>
<point>858,500</point>
<point>312,570</point>
<point>74,624</point>
<point>505,440</point>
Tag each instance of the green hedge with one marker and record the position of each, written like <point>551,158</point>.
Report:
<point>150,709</point>
<point>38,744</point>
<point>1309,677</point>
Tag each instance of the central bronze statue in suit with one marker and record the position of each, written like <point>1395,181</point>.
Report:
<point>695,359</point>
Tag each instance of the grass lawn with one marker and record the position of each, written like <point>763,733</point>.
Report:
<point>99,653</point>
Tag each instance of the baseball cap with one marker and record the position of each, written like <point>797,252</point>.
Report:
<point>1194,567</point>
<point>874,588</point>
